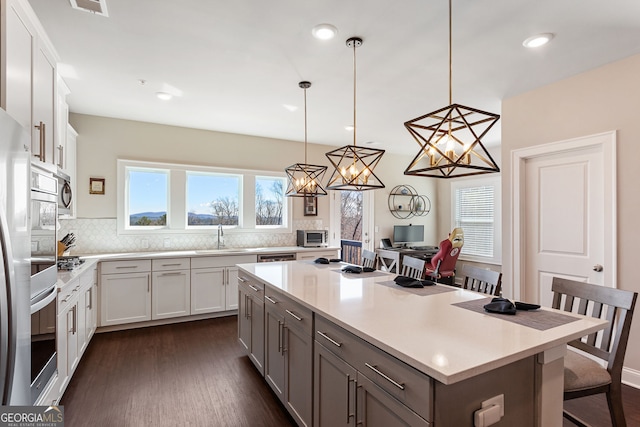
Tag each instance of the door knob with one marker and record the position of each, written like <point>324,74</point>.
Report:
<point>598,268</point>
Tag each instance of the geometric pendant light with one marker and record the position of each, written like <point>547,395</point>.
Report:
<point>450,139</point>
<point>305,179</point>
<point>354,166</point>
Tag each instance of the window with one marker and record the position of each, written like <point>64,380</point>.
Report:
<point>270,201</point>
<point>175,198</point>
<point>147,199</point>
<point>475,209</point>
<point>212,199</point>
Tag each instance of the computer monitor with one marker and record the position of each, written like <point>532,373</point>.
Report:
<point>403,234</point>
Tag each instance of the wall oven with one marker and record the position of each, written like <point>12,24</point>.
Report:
<point>44,275</point>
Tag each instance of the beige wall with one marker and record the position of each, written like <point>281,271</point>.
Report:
<point>101,141</point>
<point>604,99</point>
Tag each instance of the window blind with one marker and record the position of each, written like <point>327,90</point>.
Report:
<point>474,213</point>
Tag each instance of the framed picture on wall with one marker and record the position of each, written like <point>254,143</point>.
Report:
<point>96,185</point>
<point>310,206</point>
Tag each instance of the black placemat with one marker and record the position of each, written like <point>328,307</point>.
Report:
<point>536,319</point>
<point>427,290</point>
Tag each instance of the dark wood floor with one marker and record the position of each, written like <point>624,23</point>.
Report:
<point>187,374</point>
<point>196,374</point>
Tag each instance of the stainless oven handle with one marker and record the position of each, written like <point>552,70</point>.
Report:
<point>44,300</point>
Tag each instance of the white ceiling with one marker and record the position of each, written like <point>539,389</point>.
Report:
<point>233,64</point>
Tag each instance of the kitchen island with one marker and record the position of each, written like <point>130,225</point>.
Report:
<point>396,356</point>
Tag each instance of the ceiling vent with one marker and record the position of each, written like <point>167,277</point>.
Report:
<point>98,7</point>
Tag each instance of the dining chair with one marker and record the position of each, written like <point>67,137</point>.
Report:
<point>482,280</point>
<point>368,259</point>
<point>388,260</point>
<point>584,376</point>
<point>413,267</point>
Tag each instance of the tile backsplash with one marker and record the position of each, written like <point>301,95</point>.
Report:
<point>98,236</point>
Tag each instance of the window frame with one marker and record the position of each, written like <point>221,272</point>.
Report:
<point>476,181</point>
<point>177,209</point>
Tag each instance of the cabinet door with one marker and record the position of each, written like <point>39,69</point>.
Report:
<point>170,294</point>
<point>208,290</point>
<point>125,298</point>
<point>231,292</point>
<point>244,322</point>
<point>71,315</point>
<point>377,408</point>
<point>44,77</point>
<point>257,318</point>
<point>81,323</point>
<point>298,352</point>
<point>88,300</point>
<point>19,45</point>
<point>274,350</point>
<point>334,390</point>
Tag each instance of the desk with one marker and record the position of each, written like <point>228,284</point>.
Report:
<point>425,254</point>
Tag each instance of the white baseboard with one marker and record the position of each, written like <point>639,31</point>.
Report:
<point>631,377</point>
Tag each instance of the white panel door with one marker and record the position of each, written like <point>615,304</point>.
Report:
<point>564,221</point>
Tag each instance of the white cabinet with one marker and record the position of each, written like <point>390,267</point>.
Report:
<point>170,289</point>
<point>87,309</point>
<point>214,283</point>
<point>125,292</point>
<point>28,78</point>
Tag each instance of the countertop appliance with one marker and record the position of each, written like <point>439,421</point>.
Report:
<point>312,238</point>
<point>15,238</point>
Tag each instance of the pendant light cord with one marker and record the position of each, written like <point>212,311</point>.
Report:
<point>450,55</point>
<point>354,93</point>
<point>305,125</point>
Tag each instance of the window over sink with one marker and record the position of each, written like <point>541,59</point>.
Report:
<point>182,198</point>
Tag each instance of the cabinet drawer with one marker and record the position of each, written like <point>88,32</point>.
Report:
<point>251,287</point>
<point>411,387</point>
<point>133,266</point>
<point>295,314</point>
<point>165,264</point>
<point>221,261</point>
<point>66,295</point>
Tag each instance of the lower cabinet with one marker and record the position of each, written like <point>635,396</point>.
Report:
<point>289,354</point>
<point>356,383</point>
<point>322,253</point>
<point>125,292</point>
<point>251,321</point>
<point>170,288</point>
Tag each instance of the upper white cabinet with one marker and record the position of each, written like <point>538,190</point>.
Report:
<point>28,77</point>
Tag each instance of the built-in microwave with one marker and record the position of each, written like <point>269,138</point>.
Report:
<point>65,196</point>
<point>312,238</point>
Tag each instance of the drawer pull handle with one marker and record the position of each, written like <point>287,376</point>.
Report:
<point>171,265</point>
<point>328,338</point>
<point>242,279</point>
<point>271,300</point>
<point>126,266</point>
<point>254,288</point>
<point>67,298</point>
<point>176,273</point>
<point>377,371</point>
<point>299,319</point>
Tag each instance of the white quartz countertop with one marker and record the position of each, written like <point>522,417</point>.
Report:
<point>204,252</point>
<point>446,342</point>
<point>66,277</point>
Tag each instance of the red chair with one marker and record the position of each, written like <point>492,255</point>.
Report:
<point>443,264</point>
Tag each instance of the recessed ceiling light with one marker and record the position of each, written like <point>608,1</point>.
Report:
<point>538,40</point>
<point>291,108</point>
<point>349,128</point>
<point>164,96</point>
<point>324,31</point>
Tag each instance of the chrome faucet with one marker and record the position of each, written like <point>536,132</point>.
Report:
<point>220,235</point>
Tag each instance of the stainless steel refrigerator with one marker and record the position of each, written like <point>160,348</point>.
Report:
<point>15,326</point>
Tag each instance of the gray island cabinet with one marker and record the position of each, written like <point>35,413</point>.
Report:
<point>347,349</point>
